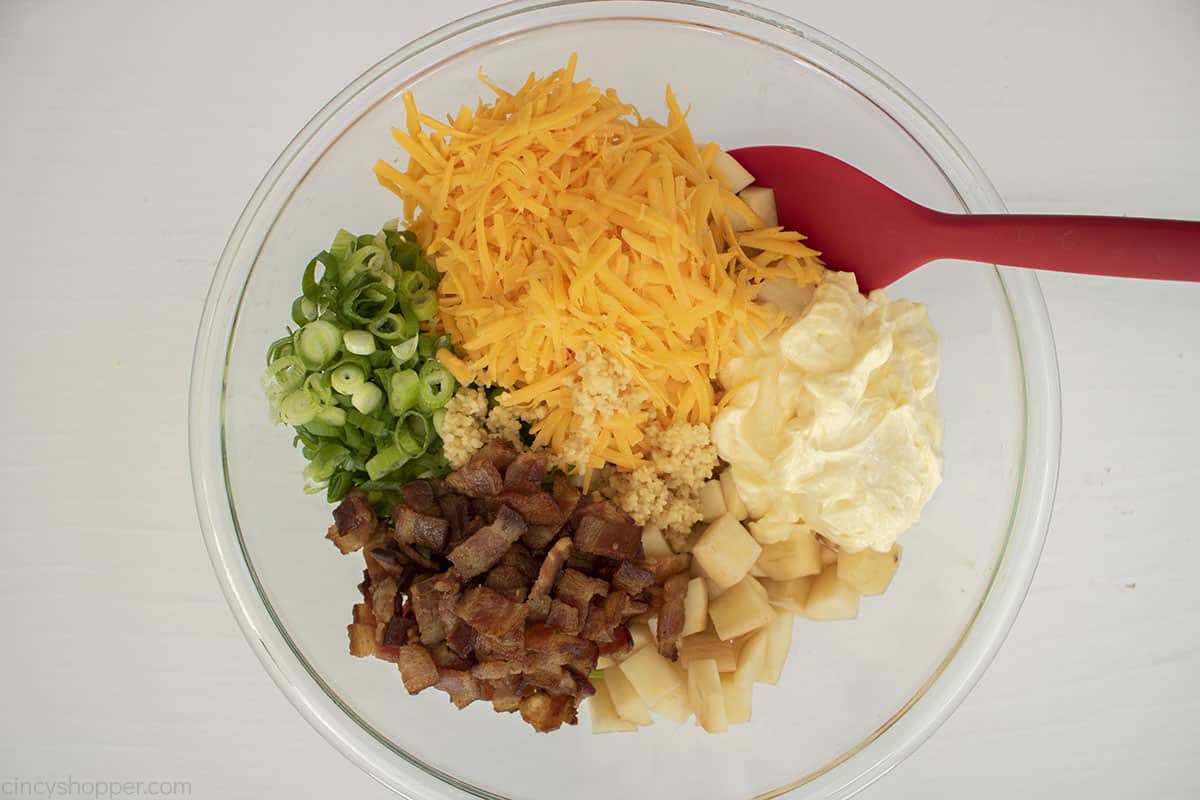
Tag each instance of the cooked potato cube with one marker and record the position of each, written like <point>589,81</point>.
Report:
<point>779,643</point>
<point>729,173</point>
<point>641,635</point>
<point>741,609</point>
<point>604,714</point>
<point>829,598</point>
<point>654,543</point>
<point>725,551</point>
<point>712,500</point>
<point>706,646</point>
<point>697,571</point>
<point>734,506</point>
<point>870,571</point>
<point>770,531</point>
<point>790,595</point>
<point>604,662</point>
<point>828,555</point>
<point>795,557</point>
<point>762,202</point>
<point>625,699</point>
<point>751,657</point>
<point>706,697</point>
<point>651,674</point>
<point>695,607</point>
<point>674,704</point>
<point>738,700</point>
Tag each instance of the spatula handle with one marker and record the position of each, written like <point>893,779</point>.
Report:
<point>1123,247</point>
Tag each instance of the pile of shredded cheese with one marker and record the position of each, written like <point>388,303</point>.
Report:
<point>566,223</point>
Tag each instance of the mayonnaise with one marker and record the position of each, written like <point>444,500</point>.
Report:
<point>836,422</point>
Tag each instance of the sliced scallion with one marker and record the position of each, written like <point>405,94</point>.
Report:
<point>403,391</point>
<point>367,398</point>
<point>299,407</point>
<point>436,386</point>
<point>347,378</point>
<point>360,343</point>
<point>318,342</point>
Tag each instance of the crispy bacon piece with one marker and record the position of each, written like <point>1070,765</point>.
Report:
<point>461,685</point>
<point>491,614</point>
<point>354,522</point>
<point>538,508</point>
<point>671,615</point>
<point>602,533</point>
<point>632,579</point>
<point>563,617</point>
<point>421,497</point>
<point>664,567</point>
<point>577,590</point>
<point>461,639</point>
<point>547,712</point>
<point>551,567</point>
<point>477,478</point>
<point>416,668</point>
<point>398,630</point>
<point>526,473</point>
<point>419,529</point>
<point>486,546</point>
<point>508,581</point>
<point>433,601</point>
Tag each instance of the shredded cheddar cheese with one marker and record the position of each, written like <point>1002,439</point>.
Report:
<point>565,222</point>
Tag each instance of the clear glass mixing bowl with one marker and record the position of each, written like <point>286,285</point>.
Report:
<point>856,697</point>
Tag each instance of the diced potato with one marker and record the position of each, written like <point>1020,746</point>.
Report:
<point>625,699</point>
<point>751,657</point>
<point>707,647</point>
<point>674,704</point>
<point>733,501</point>
<point>604,662</point>
<point>738,219</point>
<point>695,607</point>
<point>779,642</point>
<point>712,500</point>
<point>641,635</point>
<point>604,714</point>
<point>790,595</point>
<point>870,571</point>
<point>762,202</point>
<point>654,543</point>
<point>769,531</point>
<point>729,173</point>
<point>738,700</point>
<point>741,609</point>
<point>706,697</point>
<point>697,571</point>
<point>795,557</point>
<point>828,556</point>
<point>726,551</point>
<point>830,598</point>
<point>651,674</point>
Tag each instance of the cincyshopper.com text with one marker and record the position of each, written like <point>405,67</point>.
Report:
<point>95,789</point>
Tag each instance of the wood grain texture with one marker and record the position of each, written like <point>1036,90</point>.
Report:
<point>133,134</point>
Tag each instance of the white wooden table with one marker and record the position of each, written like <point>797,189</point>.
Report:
<point>132,133</point>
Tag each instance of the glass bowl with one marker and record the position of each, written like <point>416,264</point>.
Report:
<point>856,697</point>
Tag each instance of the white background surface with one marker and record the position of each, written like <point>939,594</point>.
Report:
<point>131,134</point>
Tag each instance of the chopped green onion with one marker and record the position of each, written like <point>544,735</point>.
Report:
<point>298,408</point>
<point>343,245</point>
<point>360,343</point>
<point>366,258</point>
<point>318,384</point>
<point>436,386</point>
<point>283,347</point>
<point>318,343</point>
<point>403,391</point>
<point>412,284</point>
<point>425,306</point>
<point>318,428</point>
<point>439,422</point>
<point>393,328</point>
<point>339,486</point>
<point>367,398</point>
<point>413,434</point>
<point>386,460</point>
<point>367,424</point>
<point>405,351</point>
<point>366,298</point>
<point>347,378</point>
<point>333,416</point>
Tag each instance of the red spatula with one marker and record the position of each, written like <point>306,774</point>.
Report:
<point>864,227</point>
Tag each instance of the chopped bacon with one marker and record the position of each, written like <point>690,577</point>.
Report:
<point>420,529</point>
<point>427,598</point>
<point>476,478</point>
<point>397,631</point>
<point>538,508</point>
<point>551,568</point>
<point>455,509</point>
<point>420,496</point>
<point>461,685</point>
<point>632,579</point>
<point>576,589</point>
<point>498,452</point>
<point>508,581</point>
<point>446,658</point>
<point>526,473</point>
<point>539,608</point>
<point>664,567</point>
<point>461,639</point>
<point>539,537</point>
<point>491,614</point>
<point>601,534</point>
<point>563,617</point>
<point>354,522</point>
<point>416,668</point>
<point>620,646</point>
<point>671,615</point>
<point>491,670</point>
<point>485,547</point>
<point>546,712</point>
<point>362,639</point>
<point>383,599</point>
<point>566,494</point>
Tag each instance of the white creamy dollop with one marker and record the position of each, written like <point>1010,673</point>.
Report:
<point>836,423</point>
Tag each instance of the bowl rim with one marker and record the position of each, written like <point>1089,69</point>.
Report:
<point>963,665</point>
